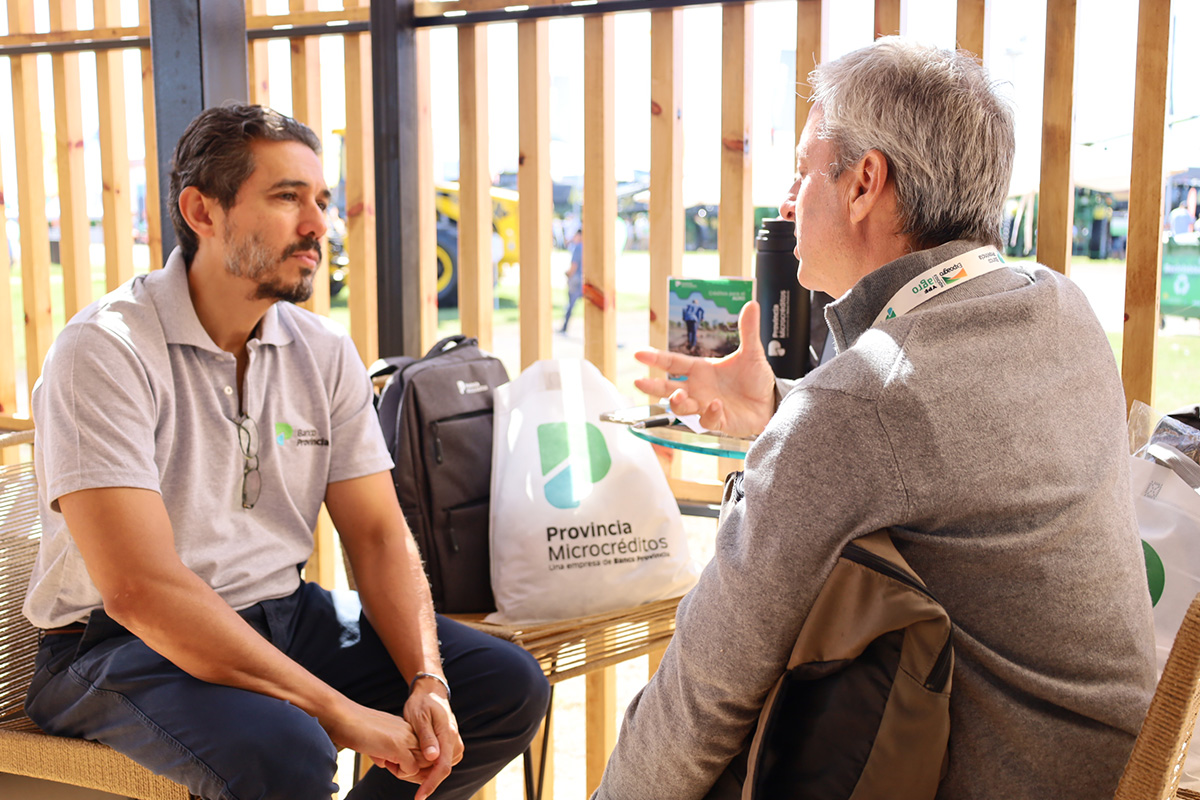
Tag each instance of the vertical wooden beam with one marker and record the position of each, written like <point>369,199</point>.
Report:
<point>1056,195</point>
<point>536,187</point>
<point>73,251</point>
<point>474,188</point>
<point>666,165</point>
<point>31,198</point>
<point>735,234</point>
<point>154,220</point>
<point>599,195</point>
<point>306,107</point>
<point>8,344</point>
<point>259,61</point>
<point>361,231</point>
<point>426,193</point>
<point>114,152</point>
<point>1144,252</point>
<point>811,21</point>
<point>600,701</point>
<point>971,26</point>
<point>887,18</point>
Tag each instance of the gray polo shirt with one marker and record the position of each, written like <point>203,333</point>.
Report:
<point>134,393</point>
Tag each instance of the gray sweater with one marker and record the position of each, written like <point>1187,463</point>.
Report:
<point>985,429</point>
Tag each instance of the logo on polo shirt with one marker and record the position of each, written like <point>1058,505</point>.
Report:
<point>577,456</point>
<point>304,437</point>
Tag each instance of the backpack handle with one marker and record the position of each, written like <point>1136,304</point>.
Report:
<point>450,342</point>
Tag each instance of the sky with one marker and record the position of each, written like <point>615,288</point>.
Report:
<point>1014,54</point>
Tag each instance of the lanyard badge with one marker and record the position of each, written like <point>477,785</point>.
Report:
<point>934,281</point>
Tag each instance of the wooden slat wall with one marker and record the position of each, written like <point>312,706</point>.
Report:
<point>153,222</point>
<point>114,153</point>
<point>306,107</point>
<point>72,200</point>
<point>887,18</point>
<point>359,142</point>
<point>1146,202</point>
<point>31,198</point>
<point>735,231</point>
<point>971,27</point>
<point>666,164</point>
<point>1056,196</point>
<point>599,195</point>
<point>474,188</point>
<point>260,72</point>
<point>535,188</point>
<point>8,344</point>
<point>427,218</point>
<point>811,16</point>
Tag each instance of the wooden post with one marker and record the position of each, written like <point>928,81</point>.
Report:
<point>536,188</point>
<point>8,344</point>
<point>971,26</point>
<point>599,195</point>
<point>474,188</point>
<point>1056,195</point>
<point>600,711</point>
<point>887,18</point>
<point>31,198</point>
<point>114,153</point>
<point>73,250</point>
<point>259,60</point>
<point>735,235</point>
<point>306,107</point>
<point>361,231</point>
<point>154,220</point>
<point>426,213</point>
<point>812,19</point>
<point>666,166</point>
<point>1144,251</point>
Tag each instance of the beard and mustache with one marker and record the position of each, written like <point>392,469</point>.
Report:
<point>250,257</point>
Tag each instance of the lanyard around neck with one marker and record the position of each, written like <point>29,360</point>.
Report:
<point>934,281</point>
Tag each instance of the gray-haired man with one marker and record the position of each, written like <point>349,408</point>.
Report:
<point>973,411</point>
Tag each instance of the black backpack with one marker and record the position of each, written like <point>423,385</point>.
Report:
<point>436,415</point>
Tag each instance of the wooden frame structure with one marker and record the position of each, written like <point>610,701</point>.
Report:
<point>389,186</point>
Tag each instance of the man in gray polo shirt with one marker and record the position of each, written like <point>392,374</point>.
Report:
<point>190,424</point>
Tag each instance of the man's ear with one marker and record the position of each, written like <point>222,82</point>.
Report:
<point>199,211</point>
<point>869,182</point>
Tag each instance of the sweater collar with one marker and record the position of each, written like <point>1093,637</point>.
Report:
<point>851,315</point>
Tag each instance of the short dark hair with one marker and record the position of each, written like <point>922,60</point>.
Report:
<point>214,156</point>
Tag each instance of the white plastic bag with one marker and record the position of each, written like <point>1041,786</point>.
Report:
<point>1168,516</point>
<point>582,518</point>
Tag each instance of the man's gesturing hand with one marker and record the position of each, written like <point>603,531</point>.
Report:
<point>734,395</point>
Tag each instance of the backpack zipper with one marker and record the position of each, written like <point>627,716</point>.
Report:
<point>940,673</point>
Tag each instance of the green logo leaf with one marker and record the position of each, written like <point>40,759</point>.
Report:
<point>1155,573</point>
<point>283,432</point>
<point>577,455</point>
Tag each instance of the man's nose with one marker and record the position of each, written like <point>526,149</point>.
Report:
<point>787,209</point>
<point>315,223</point>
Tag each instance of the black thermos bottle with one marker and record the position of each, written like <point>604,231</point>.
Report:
<point>783,302</point>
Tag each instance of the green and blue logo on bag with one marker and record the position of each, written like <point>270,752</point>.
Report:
<point>577,454</point>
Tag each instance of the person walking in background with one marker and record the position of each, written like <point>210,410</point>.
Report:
<point>693,314</point>
<point>1181,218</point>
<point>574,276</point>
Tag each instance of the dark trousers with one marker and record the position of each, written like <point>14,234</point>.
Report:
<point>232,744</point>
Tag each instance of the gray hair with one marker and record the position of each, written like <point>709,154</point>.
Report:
<point>935,115</point>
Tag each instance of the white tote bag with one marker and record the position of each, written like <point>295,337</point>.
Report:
<point>582,518</point>
<point>1168,517</point>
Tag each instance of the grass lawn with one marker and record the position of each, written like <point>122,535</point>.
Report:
<point>1176,370</point>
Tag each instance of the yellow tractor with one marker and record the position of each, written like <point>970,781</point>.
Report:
<point>504,236</point>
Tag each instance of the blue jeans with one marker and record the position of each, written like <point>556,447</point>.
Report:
<point>231,744</point>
